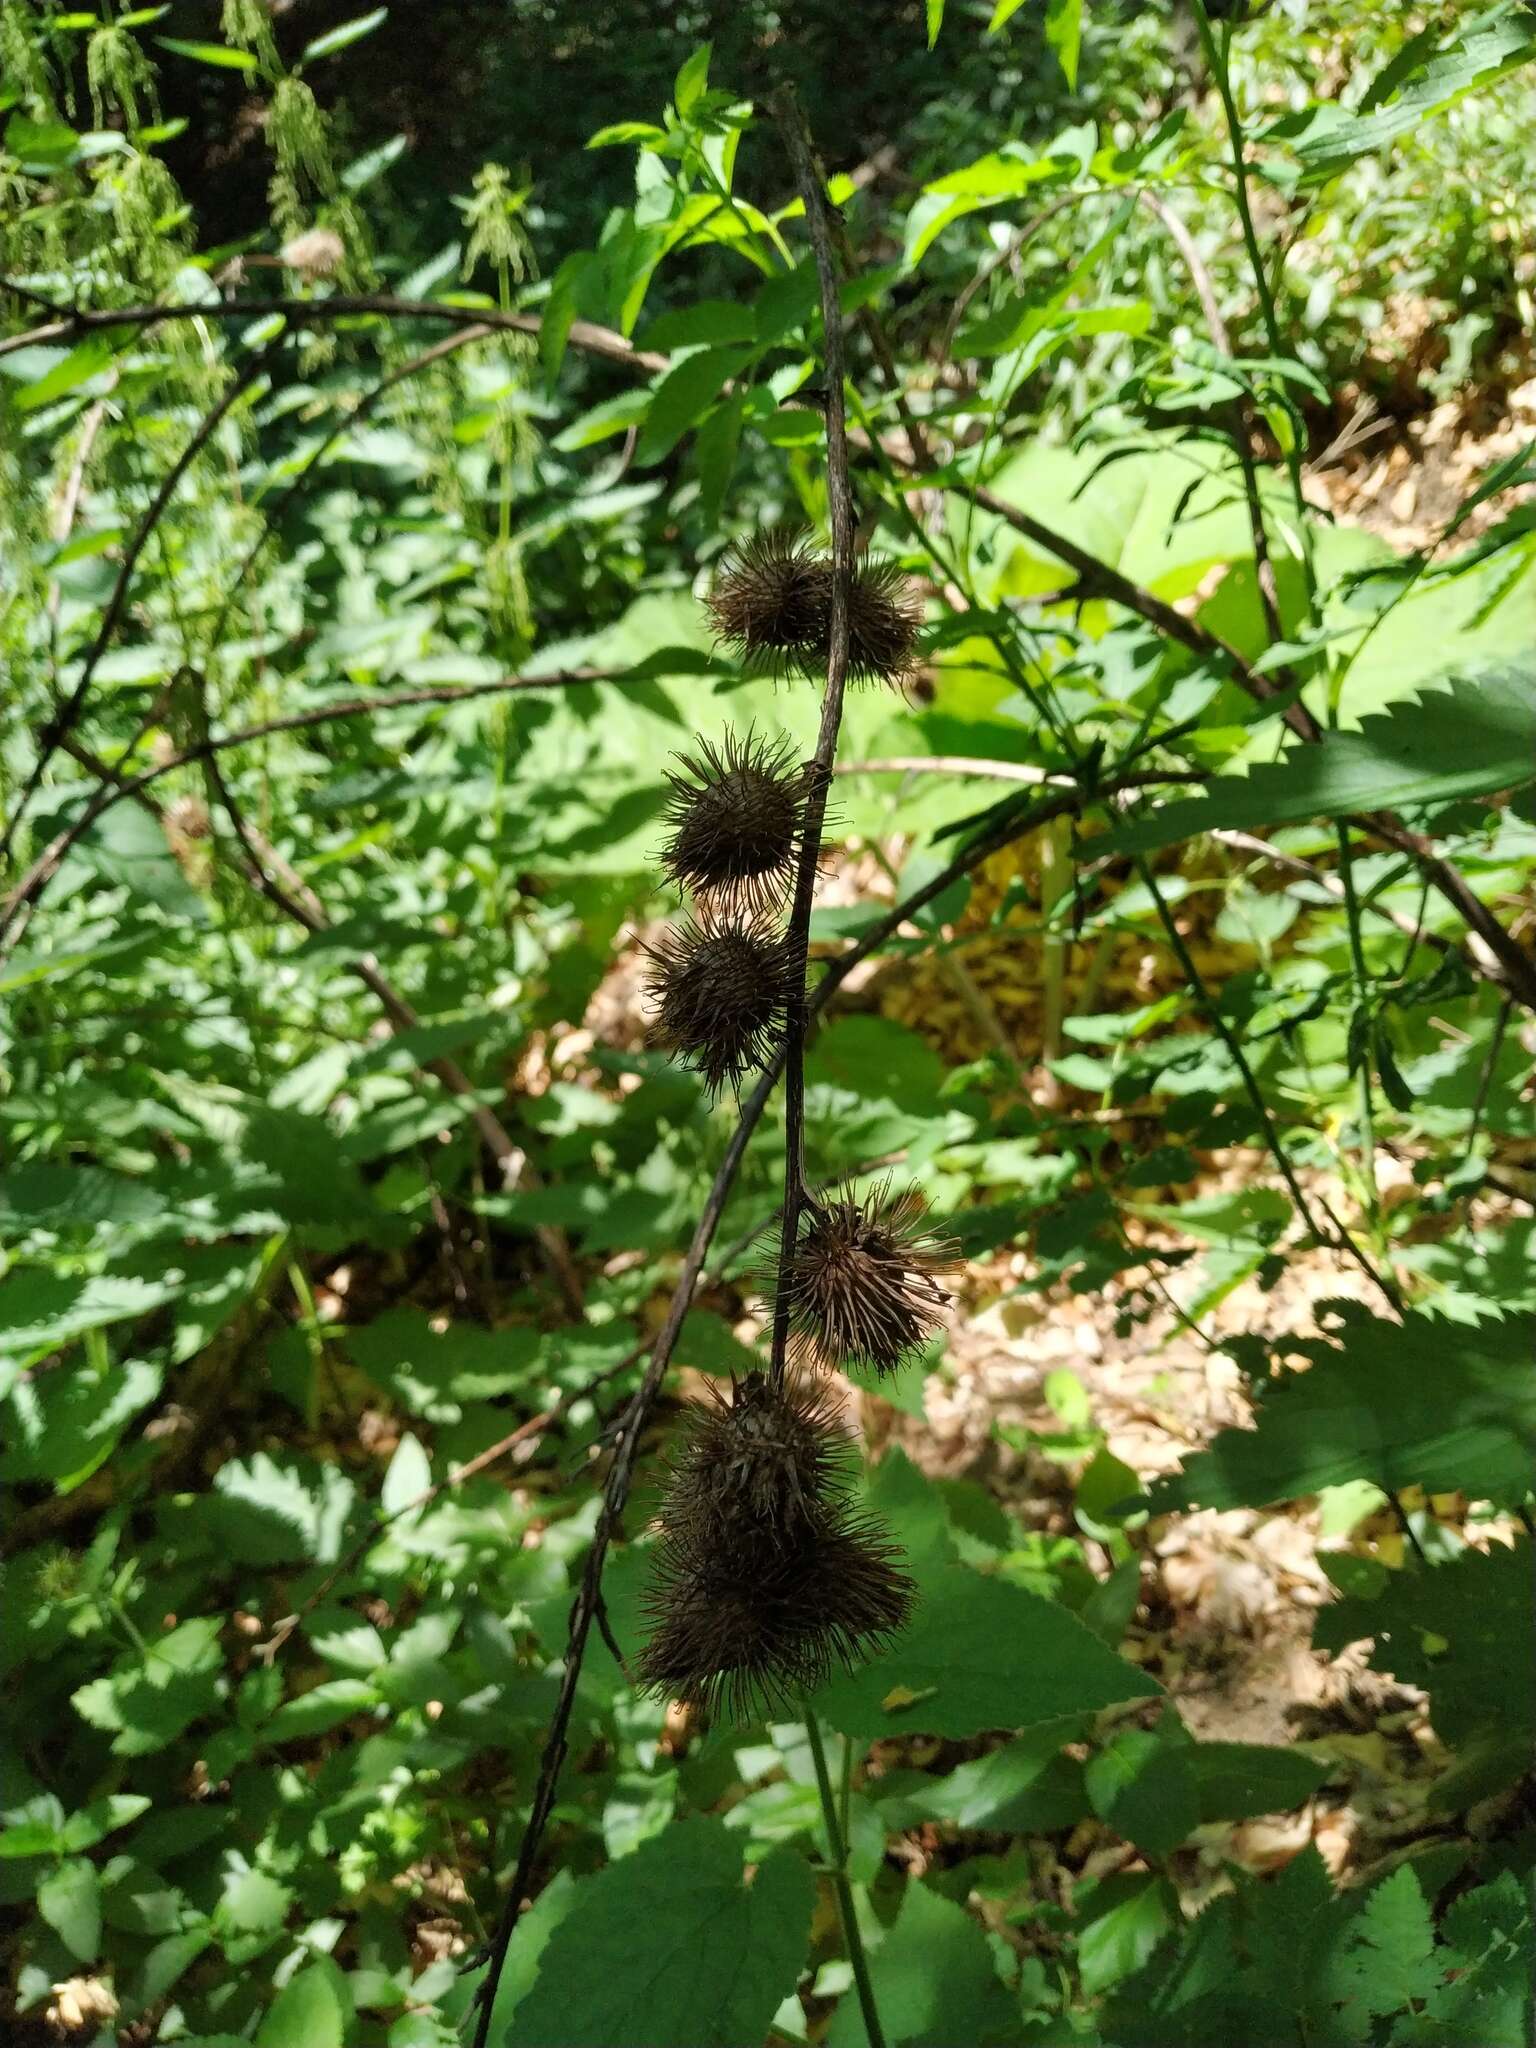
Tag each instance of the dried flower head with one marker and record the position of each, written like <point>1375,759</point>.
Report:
<point>720,989</point>
<point>754,1634</point>
<point>772,605</point>
<point>884,613</point>
<point>861,1284</point>
<point>736,814</point>
<point>769,601</point>
<point>317,253</point>
<point>756,1469</point>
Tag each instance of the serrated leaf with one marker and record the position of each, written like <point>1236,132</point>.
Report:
<point>1425,1403</point>
<point>935,1983</point>
<point>670,1945</point>
<point>1474,737</point>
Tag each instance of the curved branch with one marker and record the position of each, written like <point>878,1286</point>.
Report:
<point>586,335</point>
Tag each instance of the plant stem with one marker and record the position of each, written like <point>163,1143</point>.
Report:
<point>1341,1240</point>
<point>819,770</point>
<point>837,1847</point>
<point>1362,999</point>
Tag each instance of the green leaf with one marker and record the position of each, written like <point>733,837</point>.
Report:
<point>1004,11</point>
<point>1142,1785</point>
<point>314,2010</point>
<point>981,1654</point>
<point>322,1708</point>
<point>1448,1630</point>
<point>1132,1915</point>
<point>1236,1780</point>
<point>668,1946</point>
<point>692,80</point>
<point>1426,1403</point>
<point>935,20</point>
<point>1475,736</point>
<point>69,1899</point>
<point>1482,53</point>
<point>688,389</point>
<point>103,1817</point>
<point>151,1696</point>
<point>339,37</point>
<point>1064,33</point>
<point>251,1903</point>
<point>935,1983</point>
<point>87,360</point>
<point>218,54</point>
<point>1393,1964</point>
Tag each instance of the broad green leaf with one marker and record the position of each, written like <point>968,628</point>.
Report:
<point>935,1983</point>
<point>251,1902</point>
<point>1448,1630</point>
<point>692,80</point>
<point>1124,1922</point>
<point>670,1945</point>
<point>980,1654</point>
<point>218,54</point>
<point>322,1708</point>
<point>314,2010</point>
<point>688,389</point>
<point>1426,1403</point>
<point>69,1899</point>
<point>347,32</point>
<point>151,1696</point>
<point>1235,1780</point>
<point>1474,737</point>
<point>1142,1785</point>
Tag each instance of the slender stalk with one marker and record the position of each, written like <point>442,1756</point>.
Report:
<point>837,1846</point>
<point>1341,1240</point>
<point>819,772</point>
<point>1362,999</point>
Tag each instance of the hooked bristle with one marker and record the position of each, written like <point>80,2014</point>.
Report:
<point>720,989</point>
<point>860,1284</point>
<point>772,605</point>
<point>754,1634</point>
<point>758,1467</point>
<point>769,599</point>
<point>736,813</point>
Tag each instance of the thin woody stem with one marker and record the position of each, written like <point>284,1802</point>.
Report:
<point>840,515</point>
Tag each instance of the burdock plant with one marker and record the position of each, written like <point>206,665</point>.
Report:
<point>765,1576</point>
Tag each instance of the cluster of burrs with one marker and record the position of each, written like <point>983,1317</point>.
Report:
<point>767,1576</point>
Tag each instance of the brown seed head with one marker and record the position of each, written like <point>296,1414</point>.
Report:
<point>720,989</point>
<point>736,814</point>
<point>756,1469</point>
<point>769,600</point>
<point>861,1280</point>
<point>772,605</point>
<point>752,1634</point>
<point>884,613</point>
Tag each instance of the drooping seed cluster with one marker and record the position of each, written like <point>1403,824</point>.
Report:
<point>772,606</point>
<point>766,1576</point>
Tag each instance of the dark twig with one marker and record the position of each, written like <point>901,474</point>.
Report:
<point>840,513</point>
<point>585,334</point>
